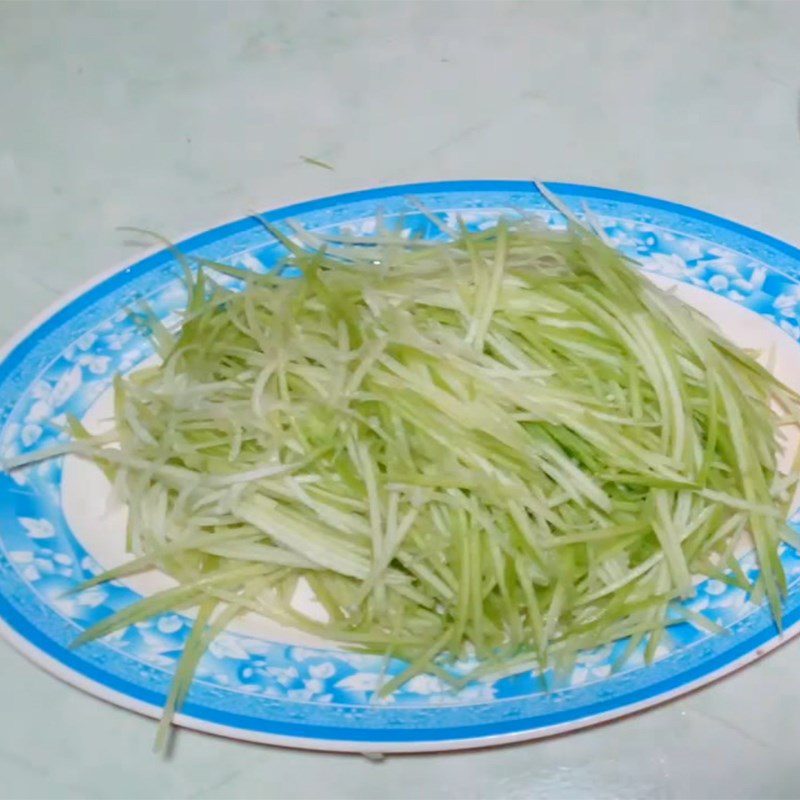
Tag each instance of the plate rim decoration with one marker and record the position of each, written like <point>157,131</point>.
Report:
<point>64,664</point>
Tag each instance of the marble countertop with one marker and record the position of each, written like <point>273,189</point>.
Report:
<point>178,116</point>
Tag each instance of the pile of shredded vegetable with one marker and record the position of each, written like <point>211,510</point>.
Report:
<point>504,446</point>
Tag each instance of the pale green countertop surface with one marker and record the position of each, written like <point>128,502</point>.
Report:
<point>179,116</point>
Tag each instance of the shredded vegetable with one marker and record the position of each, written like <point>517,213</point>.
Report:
<point>505,446</point>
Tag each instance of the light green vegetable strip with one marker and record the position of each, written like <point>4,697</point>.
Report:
<point>509,444</point>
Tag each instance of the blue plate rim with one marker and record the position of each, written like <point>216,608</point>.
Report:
<point>56,659</point>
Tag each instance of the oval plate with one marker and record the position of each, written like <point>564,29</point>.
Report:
<point>274,686</point>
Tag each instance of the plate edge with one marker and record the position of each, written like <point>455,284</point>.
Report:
<point>74,678</point>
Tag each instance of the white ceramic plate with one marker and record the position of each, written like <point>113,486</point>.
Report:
<point>274,685</point>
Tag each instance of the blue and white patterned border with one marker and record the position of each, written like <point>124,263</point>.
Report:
<point>322,697</point>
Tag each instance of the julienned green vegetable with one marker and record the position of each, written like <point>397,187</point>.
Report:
<point>510,446</point>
